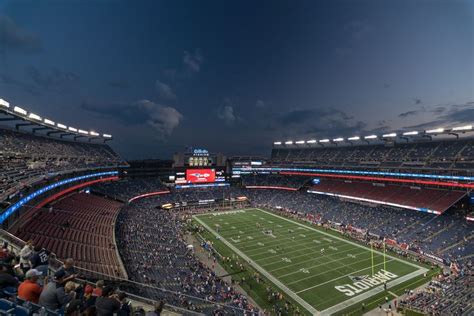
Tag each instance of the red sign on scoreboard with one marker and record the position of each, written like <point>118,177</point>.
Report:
<point>200,175</point>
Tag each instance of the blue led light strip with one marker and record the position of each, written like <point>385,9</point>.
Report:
<point>9,211</point>
<point>240,170</point>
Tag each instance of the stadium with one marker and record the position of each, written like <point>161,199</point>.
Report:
<point>330,226</point>
<point>247,158</point>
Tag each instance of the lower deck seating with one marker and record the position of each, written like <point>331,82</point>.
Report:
<point>80,226</point>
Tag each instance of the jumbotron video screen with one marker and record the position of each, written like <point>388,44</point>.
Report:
<point>197,176</point>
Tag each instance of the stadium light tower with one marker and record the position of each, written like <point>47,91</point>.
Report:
<point>311,141</point>
<point>4,104</point>
<point>289,142</point>
<point>462,128</point>
<point>19,110</point>
<point>390,135</point>
<point>300,142</point>
<point>435,131</point>
<point>34,116</point>
<point>275,143</point>
<point>352,139</point>
<point>48,122</point>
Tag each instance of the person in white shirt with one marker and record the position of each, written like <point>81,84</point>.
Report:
<point>25,255</point>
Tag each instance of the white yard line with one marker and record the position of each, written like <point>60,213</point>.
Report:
<point>309,260</point>
<point>338,278</point>
<point>338,307</point>
<point>282,286</point>
<point>315,266</point>
<point>342,239</point>
<point>335,308</point>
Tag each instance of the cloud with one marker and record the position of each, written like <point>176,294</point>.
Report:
<point>164,90</point>
<point>447,116</point>
<point>193,60</point>
<point>417,101</point>
<point>52,79</point>
<point>408,113</point>
<point>14,38</point>
<point>163,119</point>
<point>326,122</point>
<point>226,113</point>
<point>6,79</point>
<point>260,104</point>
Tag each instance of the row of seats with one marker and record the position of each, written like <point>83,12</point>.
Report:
<point>448,153</point>
<point>26,158</point>
<point>80,226</point>
<point>433,199</point>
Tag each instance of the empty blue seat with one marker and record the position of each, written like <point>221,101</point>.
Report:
<point>22,311</point>
<point>6,304</point>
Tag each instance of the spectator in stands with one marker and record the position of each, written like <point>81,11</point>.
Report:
<point>54,295</point>
<point>89,300</point>
<point>25,255</point>
<point>158,309</point>
<point>108,303</point>
<point>125,308</point>
<point>29,290</point>
<point>99,285</point>
<point>69,271</point>
<point>8,283</point>
<point>6,256</point>
<point>40,260</point>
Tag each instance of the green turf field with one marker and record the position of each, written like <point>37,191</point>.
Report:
<point>291,256</point>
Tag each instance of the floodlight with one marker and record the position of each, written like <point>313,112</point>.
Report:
<point>4,103</point>
<point>107,135</point>
<point>390,135</point>
<point>370,137</point>
<point>340,139</point>
<point>463,128</point>
<point>81,131</point>
<point>35,117</point>
<point>288,142</point>
<point>324,141</point>
<point>17,109</point>
<point>300,142</point>
<point>410,133</point>
<point>354,138</point>
<point>72,129</point>
<point>311,141</point>
<point>62,126</point>
<point>49,122</point>
<point>94,133</point>
<point>434,131</point>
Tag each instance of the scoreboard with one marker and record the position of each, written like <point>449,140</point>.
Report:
<point>196,176</point>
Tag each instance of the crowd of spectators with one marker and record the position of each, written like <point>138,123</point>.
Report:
<point>446,154</point>
<point>447,294</point>
<point>158,256</point>
<point>28,286</point>
<point>130,187</point>
<point>26,158</point>
<point>275,180</point>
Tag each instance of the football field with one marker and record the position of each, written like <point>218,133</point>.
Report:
<point>322,271</point>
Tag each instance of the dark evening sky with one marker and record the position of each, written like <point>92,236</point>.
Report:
<point>234,76</point>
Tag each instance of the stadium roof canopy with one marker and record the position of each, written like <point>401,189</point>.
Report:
<point>23,118</point>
